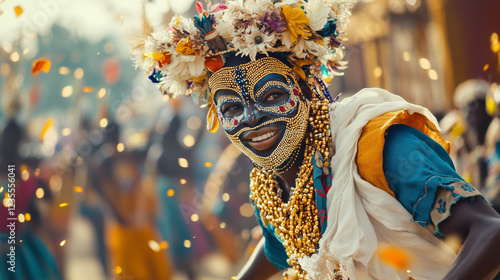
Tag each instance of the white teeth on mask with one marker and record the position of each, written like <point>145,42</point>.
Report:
<point>263,137</point>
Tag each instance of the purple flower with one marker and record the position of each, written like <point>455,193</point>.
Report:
<point>271,21</point>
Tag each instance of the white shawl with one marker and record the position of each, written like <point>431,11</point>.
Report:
<point>362,216</point>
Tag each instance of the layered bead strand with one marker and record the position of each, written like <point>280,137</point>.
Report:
<point>296,221</point>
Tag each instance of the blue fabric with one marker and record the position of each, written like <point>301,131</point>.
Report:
<point>322,181</point>
<point>416,168</point>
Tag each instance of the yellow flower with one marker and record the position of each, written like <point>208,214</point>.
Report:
<point>199,79</point>
<point>296,22</point>
<point>185,47</point>
<point>298,67</point>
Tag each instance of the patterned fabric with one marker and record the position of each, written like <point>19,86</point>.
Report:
<point>322,179</point>
<point>423,177</point>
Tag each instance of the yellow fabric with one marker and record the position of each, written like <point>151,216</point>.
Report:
<point>369,157</point>
<point>132,256</point>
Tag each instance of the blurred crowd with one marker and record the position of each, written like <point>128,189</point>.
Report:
<point>97,209</point>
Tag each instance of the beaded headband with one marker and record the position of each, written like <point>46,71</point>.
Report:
<point>238,78</point>
<point>306,33</point>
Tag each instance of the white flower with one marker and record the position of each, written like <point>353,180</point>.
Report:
<point>235,5</point>
<point>299,48</point>
<point>225,26</point>
<point>286,39</point>
<point>171,84</point>
<point>184,25</point>
<point>257,7</point>
<point>254,41</point>
<point>187,66</point>
<point>317,14</point>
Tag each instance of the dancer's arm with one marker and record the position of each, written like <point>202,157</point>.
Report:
<point>478,226</point>
<point>258,266</point>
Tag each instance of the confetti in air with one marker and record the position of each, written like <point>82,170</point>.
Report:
<point>45,128</point>
<point>88,89</point>
<point>18,10</point>
<point>41,64</point>
<point>394,256</point>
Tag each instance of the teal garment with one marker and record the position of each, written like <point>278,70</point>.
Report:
<point>33,260</point>
<point>171,222</point>
<point>322,180</point>
<point>422,176</point>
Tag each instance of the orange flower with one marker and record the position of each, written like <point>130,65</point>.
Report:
<point>162,58</point>
<point>185,47</point>
<point>297,21</point>
<point>41,64</point>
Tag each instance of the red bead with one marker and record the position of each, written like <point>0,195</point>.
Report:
<point>295,92</point>
<point>235,122</point>
<point>292,103</point>
<point>282,109</point>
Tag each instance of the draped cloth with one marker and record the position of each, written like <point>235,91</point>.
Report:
<point>362,216</point>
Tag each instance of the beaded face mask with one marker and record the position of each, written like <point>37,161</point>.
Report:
<point>261,110</point>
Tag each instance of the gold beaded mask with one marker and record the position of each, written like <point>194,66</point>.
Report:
<point>260,107</point>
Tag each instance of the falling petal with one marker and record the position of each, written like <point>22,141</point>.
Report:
<point>164,245</point>
<point>394,256</point>
<point>18,10</point>
<point>41,64</point>
<point>111,71</point>
<point>46,128</point>
<point>88,89</point>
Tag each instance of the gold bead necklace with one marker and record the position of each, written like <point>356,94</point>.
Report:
<point>296,221</point>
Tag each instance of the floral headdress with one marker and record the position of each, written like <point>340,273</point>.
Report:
<point>306,33</point>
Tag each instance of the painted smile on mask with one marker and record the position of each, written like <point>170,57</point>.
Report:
<point>263,138</point>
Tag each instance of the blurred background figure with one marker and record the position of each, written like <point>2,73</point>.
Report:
<point>169,158</point>
<point>492,188</point>
<point>470,99</point>
<point>135,248</point>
